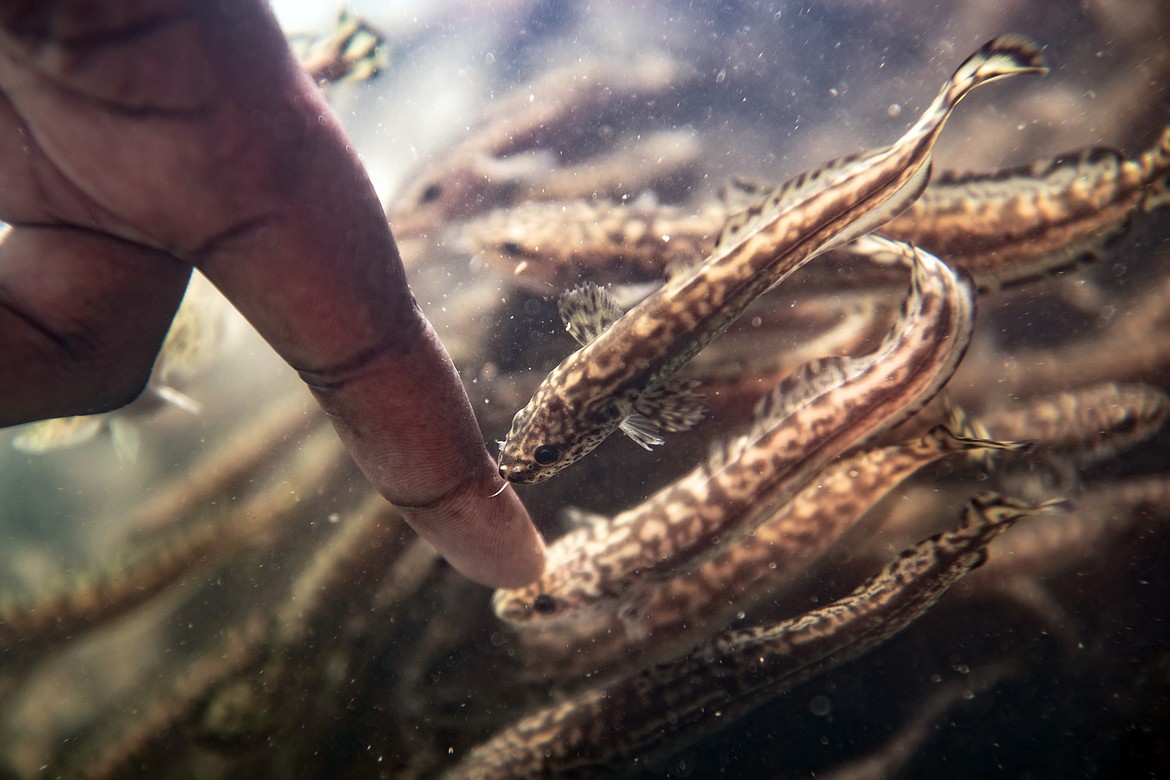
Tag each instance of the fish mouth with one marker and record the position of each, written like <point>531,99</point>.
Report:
<point>522,474</point>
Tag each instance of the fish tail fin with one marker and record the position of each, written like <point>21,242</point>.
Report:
<point>1002,57</point>
<point>996,512</point>
<point>962,433</point>
<point>1007,55</point>
<point>979,447</point>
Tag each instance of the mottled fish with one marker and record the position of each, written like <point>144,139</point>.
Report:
<point>1030,222</point>
<point>642,717</point>
<point>1092,423</point>
<point>658,619</point>
<point>525,137</point>
<point>623,376</point>
<point>810,418</point>
<point>1004,227</point>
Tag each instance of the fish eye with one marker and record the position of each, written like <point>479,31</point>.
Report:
<point>430,194</point>
<point>546,455</point>
<point>511,249</point>
<point>545,604</point>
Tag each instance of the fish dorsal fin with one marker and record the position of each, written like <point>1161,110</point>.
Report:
<point>671,406</point>
<point>740,192</point>
<point>587,310</point>
<point>769,205</point>
<point>959,422</point>
<point>743,223</point>
<point>723,451</point>
<point>1047,477</point>
<point>995,509</point>
<point>795,391</point>
<point>798,388</point>
<point>627,296</point>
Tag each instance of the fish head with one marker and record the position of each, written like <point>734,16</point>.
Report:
<point>566,593</point>
<point>534,607</point>
<point>547,436</point>
<point>444,192</point>
<point>521,606</point>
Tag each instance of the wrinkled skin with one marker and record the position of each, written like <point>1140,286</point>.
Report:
<point>141,138</point>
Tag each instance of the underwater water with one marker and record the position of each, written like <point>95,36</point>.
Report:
<point>230,598</point>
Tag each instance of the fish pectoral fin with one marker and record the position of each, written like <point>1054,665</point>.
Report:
<point>587,310</point>
<point>673,405</point>
<point>644,433</point>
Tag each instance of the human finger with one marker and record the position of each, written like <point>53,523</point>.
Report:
<point>276,210</point>
<point>82,316</point>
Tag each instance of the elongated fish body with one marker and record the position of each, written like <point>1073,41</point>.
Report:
<point>620,378</point>
<point>1029,222</point>
<point>555,245</point>
<point>514,146</point>
<point>1085,424</point>
<point>1004,227</point>
<point>658,619</point>
<point>814,415</point>
<point>648,714</point>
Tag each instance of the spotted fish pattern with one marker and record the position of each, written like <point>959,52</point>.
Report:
<point>647,714</point>
<point>1004,227</point>
<point>1029,222</point>
<point>822,409</point>
<point>598,388</point>
<point>659,619</point>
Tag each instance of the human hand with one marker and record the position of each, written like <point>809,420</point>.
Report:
<point>140,138</point>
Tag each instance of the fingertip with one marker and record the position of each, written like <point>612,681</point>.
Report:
<point>489,540</point>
